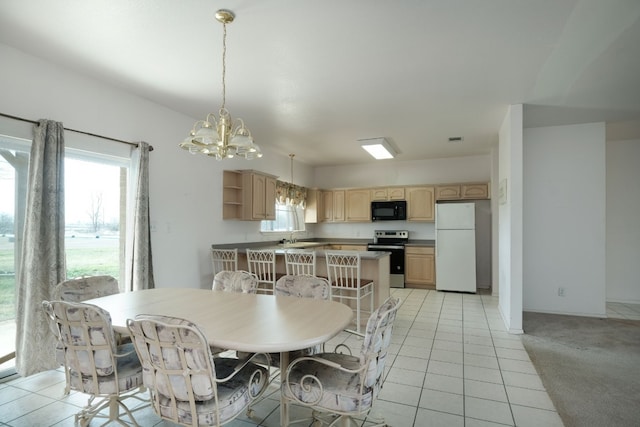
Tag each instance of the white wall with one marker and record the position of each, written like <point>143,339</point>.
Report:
<point>185,197</point>
<point>564,219</point>
<point>510,218</point>
<point>434,171</point>
<point>623,228</point>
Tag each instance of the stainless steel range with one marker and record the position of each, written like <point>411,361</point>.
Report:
<point>392,241</point>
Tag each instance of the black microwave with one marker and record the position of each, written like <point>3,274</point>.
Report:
<point>388,211</point>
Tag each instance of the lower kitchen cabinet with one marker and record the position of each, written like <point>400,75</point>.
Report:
<point>420,267</point>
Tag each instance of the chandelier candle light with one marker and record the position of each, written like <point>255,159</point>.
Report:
<point>221,137</point>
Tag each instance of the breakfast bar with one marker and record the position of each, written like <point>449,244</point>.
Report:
<point>374,265</point>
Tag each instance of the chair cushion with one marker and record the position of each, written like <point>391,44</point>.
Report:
<point>303,287</point>
<point>233,396</point>
<point>129,375</point>
<point>340,391</point>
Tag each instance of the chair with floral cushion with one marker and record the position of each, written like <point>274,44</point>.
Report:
<point>95,364</point>
<point>343,385</point>
<point>81,289</point>
<point>85,288</point>
<point>235,281</point>
<point>188,385</point>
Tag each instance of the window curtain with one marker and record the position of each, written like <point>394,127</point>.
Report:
<point>138,262</point>
<point>290,194</point>
<point>42,264</point>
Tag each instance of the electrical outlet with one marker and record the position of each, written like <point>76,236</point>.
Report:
<point>561,291</point>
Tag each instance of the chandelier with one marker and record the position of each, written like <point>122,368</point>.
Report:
<point>221,137</point>
<point>289,194</point>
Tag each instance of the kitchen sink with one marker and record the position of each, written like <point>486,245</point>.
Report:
<point>299,245</point>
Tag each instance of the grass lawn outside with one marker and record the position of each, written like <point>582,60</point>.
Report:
<point>85,257</point>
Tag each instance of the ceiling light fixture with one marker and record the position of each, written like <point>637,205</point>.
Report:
<point>221,137</point>
<point>379,148</point>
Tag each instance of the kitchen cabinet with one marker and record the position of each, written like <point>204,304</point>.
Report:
<point>464,191</point>
<point>448,192</point>
<point>258,196</point>
<point>358,206</point>
<point>420,203</point>
<point>313,206</point>
<point>387,193</point>
<point>419,267</point>
<point>474,191</point>
<point>332,204</point>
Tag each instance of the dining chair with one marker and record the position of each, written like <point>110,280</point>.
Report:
<point>96,366</point>
<point>343,271</point>
<point>188,386</point>
<point>84,288</point>
<point>262,263</point>
<point>339,386</point>
<point>78,290</point>
<point>300,262</point>
<point>224,259</point>
<point>235,281</point>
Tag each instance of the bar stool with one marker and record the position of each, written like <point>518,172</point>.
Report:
<point>262,263</point>
<point>300,262</point>
<point>224,259</point>
<point>343,270</point>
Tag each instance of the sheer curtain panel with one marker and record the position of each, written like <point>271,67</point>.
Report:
<point>42,264</point>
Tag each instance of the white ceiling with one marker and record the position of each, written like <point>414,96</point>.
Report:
<point>312,78</point>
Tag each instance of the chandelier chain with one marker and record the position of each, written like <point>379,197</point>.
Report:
<point>224,65</point>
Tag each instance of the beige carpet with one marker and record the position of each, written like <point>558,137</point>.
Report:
<point>590,367</point>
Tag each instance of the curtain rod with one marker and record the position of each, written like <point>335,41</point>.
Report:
<point>76,131</point>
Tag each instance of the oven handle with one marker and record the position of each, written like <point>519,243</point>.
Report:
<point>376,247</point>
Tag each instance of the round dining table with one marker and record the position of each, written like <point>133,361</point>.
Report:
<point>245,322</point>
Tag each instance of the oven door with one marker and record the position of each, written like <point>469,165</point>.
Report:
<point>396,262</point>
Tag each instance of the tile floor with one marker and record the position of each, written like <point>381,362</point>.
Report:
<point>452,364</point>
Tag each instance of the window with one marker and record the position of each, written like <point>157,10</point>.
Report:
<point>288,218</point>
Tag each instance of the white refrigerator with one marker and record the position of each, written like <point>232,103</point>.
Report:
<point>455,247</point>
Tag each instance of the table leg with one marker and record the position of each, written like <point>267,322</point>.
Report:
<point>284,403</point>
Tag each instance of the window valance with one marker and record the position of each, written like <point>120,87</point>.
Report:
<point>290,194</point>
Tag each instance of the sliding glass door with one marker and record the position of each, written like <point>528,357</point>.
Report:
<point>95,221</point>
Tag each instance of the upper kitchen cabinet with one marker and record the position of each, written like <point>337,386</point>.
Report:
<point>313,206</point>
<point>448,192</point>
<point>358,205</point>
<point>387,193</point>
<point>332,204</point>
<point>474,191</point>
<point>420,203</point>
<point>468,191</point>
<point>259,196</point>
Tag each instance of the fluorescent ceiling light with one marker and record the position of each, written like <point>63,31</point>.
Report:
<point>379,148</point>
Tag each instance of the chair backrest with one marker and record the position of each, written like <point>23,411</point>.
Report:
<point>85,288</point>
<point>224,259</point>
<point>300,262</point>
<point>376,342</point>
<point>304,287</point>
<point>343,269</point>
<point>235,281</point>
<point>177,366</point>
<point>262,263</point>
<point>87,336</point>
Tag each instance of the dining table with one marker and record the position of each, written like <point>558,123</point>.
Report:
<point>244,322</point>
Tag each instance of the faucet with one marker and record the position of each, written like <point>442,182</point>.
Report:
<point>291,238</point>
